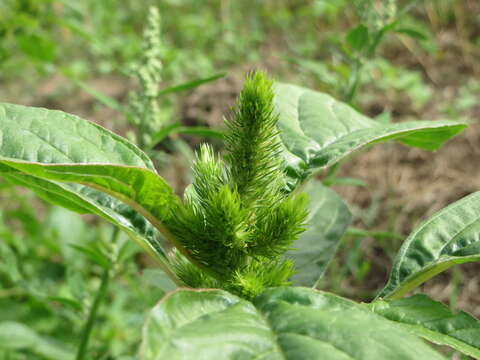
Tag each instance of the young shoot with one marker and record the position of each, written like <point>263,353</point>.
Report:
<point>236,221</point>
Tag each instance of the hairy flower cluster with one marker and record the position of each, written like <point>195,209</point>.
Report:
<point>236,220</point>
<point>144,109</point>
<point>376,15</point>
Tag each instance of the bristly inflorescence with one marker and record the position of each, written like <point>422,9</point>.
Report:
<point>236,220</point>
<point>144,109</point>
<point>252,144</point>
<point>376,15</point>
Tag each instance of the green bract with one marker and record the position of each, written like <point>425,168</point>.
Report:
<point>245,226</point>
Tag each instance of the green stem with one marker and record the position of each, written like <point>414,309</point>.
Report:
<point>332,172</point>
<point>352,90</point>
<point>102,291</point>
<point>100,296</point>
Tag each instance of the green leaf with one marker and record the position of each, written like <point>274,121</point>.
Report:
<point>328,219</point>
<point>37,47</point>
<point>281,323</point>
<point>434,321</point>
<point>449,237</point>
<point>189,130</point>
<point>17,336</point>
<point>357,38</point>
<point>191,84</point>
<point>158,279</point>
<point>71,303</point>
<point>357,232</point>
<point>319,131</point>
<point>344,181</point>
<point>41,148</point>
<point>100,97</point>
<point>415,34</point>
<point>54,137</point>
<point>140,188</point>
<point>84,200</point>
<point>199,131</point>
<point>95,255</point>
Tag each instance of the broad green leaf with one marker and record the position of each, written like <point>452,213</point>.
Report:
<point>319,131</point>
<point>434,321</point>
<point>357,38</point>
<point>83,200</point>
<point>140,188</point>
<point>37,47</point>
<point>53,137</point>
<point>328,219</point>
<point>46,190</point>
<point>281,323</point>
<point>42,148</point>
<point>17,336</point>
<point>451,236</point>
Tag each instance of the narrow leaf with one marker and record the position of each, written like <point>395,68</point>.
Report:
<point>163,133</point>
<point>200,131</point>
<point>94,255</point>
<point>191,84</point>
<point>433,321</point>
<point>319,131</point>
<point>449,237</point>
<point>281,323</point>
<point>357,232</point>
<point>99,96</point>
<point>328,219</point>
<point>19,337</point>
<point>412,33</point>
<point>344,181</point>
<point>189,130</point>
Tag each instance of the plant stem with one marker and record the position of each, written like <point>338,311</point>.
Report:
<point>352,89</point>
<point>100,296</point>
<point>102,291</point>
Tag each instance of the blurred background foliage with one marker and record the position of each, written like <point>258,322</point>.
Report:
<point>77,56</point>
